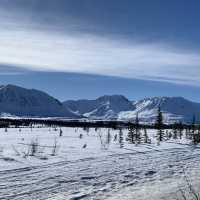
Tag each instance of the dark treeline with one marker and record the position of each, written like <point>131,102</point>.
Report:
<point>7,122</point>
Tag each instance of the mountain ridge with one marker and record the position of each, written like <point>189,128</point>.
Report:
<point>106,106</point>
<point>20,101</point>
<point>173,108</point>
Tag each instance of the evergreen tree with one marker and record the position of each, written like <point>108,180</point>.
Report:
<point>108,138</point>
<point>196,136</point>
<point>159,120</point>
<point>193,123</point>
<point>137,130</point>
<point>175,135</point>
<point>121,138</point>
<point>160,135</point>
<point>134,135</point>
<point>131,134</point>
<point>180,128</point>
<point>159,126</point>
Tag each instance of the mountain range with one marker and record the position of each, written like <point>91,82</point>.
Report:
<point>21,102</point>
<point>118,107</point>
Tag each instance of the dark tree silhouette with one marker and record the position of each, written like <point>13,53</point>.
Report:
<point>131,134</point>
<point>159,120</point>
<point>134,135</point>
<point>108,137</point>
<point>146,137</point>
<point>121,138</point>
<point>159,126</point>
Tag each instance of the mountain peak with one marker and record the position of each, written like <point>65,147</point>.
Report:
<point>112,98</point>
<point>107,106</point>
<point>29,102</point>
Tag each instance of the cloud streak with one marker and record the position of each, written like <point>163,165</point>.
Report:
<point>44,51</point>
<point>33,47</point>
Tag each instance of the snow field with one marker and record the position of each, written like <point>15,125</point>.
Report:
<point>85,166</point>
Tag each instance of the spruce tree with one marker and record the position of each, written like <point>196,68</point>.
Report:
<point>108,138</point>
<point>137,130</point>
<point>131,134</point>
<point>180,128</point>
<point>159,126</point>
<point>121,138</point>
<point>193,123</point>
<point>159,120</point>
<point>134,136</point>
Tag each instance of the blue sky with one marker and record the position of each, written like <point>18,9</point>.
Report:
<point>87,48</point>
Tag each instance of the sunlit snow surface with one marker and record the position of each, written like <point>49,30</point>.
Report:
<point>145,171</point>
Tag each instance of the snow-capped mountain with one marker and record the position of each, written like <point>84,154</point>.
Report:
<point>119,107</point>
<point>105,107</point>
<point>174,109</point>
<point>19,101</point>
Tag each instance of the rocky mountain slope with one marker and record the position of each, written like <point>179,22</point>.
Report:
<point>105,107</point>
<point>19,101</point>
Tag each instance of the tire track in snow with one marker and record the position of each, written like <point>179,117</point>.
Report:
<point>93,177</point>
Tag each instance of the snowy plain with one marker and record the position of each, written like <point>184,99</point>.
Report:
<point>86,166</point>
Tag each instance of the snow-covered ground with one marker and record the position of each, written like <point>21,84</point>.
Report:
<point>91,165</point>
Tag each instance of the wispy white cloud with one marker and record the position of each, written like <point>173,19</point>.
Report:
<point>91,54</point>
<point>31,47</point>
